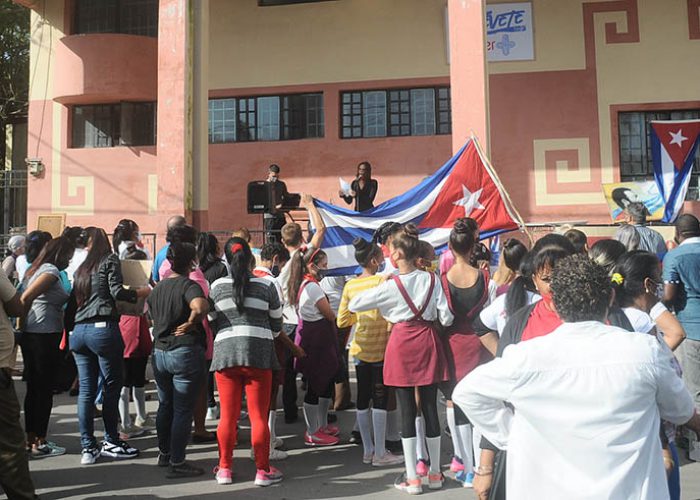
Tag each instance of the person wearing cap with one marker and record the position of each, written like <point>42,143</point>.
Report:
<point>681,276</point>
<point>274,219</point>
<point>15,248</point>
<point>649,240</point>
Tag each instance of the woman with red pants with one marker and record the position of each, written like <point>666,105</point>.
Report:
<point>247,316</point>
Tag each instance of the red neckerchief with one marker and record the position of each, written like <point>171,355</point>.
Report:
<point>261,272</point>
<point>308,277</point>
<point>385,251</point>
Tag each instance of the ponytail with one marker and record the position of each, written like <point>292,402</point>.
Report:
<point>516,297</point>
<point>298,268</point>
<point>239,258</point>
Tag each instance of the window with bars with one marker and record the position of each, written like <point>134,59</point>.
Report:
<point>267,118</point>
<point>134,17</point>
<point>110,125</point>
<point>395,112</point>
<point>636,162</point>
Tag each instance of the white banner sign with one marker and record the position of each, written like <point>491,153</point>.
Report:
<point>509,35</point>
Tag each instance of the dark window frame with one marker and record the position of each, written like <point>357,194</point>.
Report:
<point>634,134</point>
<point>114,130</point>
<point>293,123</point>
<point>115,20</point>
<point>351,119</point>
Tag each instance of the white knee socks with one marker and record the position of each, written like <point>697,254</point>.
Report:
<point>434,452</point>
<point>379,424</point>
<point>476,439</point>
<point>272,424</point>
<point>324,405</point>
<point>365,431</point>
<point>409,454</point>
<point>140,403</point>
<point>457,445</point>
<point>465,437</point>
<point>421,450</point>
<point>311,417</point>
<point>124,407</point>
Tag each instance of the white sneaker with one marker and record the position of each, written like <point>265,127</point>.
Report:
<point>388,459</point>
<point>278,455</point>
<point>278,443</point>
<point>147,423</point>
<point>131,432</point>
<point>120,450</point>
<point>213,413</point>
<point>367,459</point>
<point>89,456</point>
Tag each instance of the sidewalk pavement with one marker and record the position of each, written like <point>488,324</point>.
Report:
<point>310,473</point>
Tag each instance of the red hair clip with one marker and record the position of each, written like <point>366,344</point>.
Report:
<point>236,247</point>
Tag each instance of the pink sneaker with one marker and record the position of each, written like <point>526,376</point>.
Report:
<point>457,465</point>
<point>319,439</point>
<point>266,478</point>
<point>223,476</point>
<point>331,430</point>
<point>422,468</point>
<point>435,481</point>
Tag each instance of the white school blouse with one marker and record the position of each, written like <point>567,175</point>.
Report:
<point>392,306</point>
<point>588,400</point>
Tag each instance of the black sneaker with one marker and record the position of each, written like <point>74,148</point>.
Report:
<point>120,449</point>
<point>185,469</point>
<point>163,459</point>
<point>355,437</point>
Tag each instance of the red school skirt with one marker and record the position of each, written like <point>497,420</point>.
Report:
<point>414,355</point>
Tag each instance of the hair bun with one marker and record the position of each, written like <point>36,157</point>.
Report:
<point>465,225</point>
<point>360,243</point>
<point>411,230</point>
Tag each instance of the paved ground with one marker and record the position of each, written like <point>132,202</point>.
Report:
<point>332,473</point>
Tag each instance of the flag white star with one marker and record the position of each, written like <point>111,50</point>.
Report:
<point>470,201</point>
<point>678,138</point>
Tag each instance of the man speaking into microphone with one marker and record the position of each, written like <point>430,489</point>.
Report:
<point>363,189</point>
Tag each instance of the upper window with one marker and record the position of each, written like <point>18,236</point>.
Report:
<point>268,118</point>
<point>109,125</point>
<point>133,17</point>
<point>396,112</point>
<point>635,146</point>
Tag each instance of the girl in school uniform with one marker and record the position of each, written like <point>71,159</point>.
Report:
<point>412,301</point>
<point>317,336</point>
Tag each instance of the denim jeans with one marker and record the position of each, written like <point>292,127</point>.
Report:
<point>690,361</point>
<point>98,349</point>
<point>179,374</point>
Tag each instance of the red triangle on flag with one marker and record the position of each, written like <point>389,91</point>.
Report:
<point>677,138</point>
<point>469,191</point>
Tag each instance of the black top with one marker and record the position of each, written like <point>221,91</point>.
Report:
<point>279,192</point>
<point>169,307</point>
<point>215,271</point>
<point>465,299</point>
<point>364,198</point>
<point>106,287</point>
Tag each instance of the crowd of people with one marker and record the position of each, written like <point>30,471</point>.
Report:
<point>560,359</point>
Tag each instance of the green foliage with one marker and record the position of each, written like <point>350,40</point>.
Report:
<point>14,60</point>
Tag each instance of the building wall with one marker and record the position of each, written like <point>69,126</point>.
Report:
<point>324,47</point>
<point>554,132</point>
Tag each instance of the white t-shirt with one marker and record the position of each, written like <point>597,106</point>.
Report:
<point>79,257</point>
<point>494,316</point>
<point>641,321</point>
<point>310,295</point>
<point>21,265</point>
<point>333,288</point>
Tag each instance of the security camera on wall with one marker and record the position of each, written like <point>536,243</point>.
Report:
<point>35,166</point>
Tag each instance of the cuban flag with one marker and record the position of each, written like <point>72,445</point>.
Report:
<point>465,186</point>
<point>673,146</point>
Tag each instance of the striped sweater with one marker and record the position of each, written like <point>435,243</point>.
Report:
<point>245,338</point>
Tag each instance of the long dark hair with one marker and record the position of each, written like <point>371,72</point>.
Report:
<point>629,275</point>
<point>239,258</point>
<point>606,253</point>
<point>298,267</point>
<point>513,252</point>
<point>125,231</point>
<point>207,250</point>
<point>58,252</point>
<point>99,249</point>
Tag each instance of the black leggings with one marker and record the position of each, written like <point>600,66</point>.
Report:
<point>370,386</point>
<point>446,388</point>
<point>311,398</point>
<point>42,361</point>
<point>135,372</point>
<point>428,405</point>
